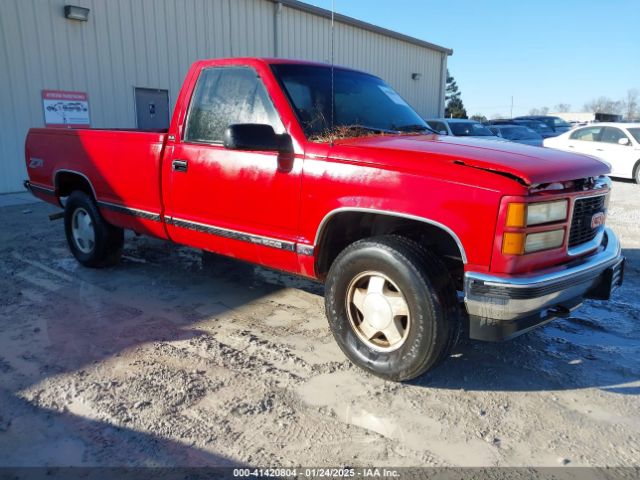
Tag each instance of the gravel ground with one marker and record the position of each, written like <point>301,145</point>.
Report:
<point>175,358</point>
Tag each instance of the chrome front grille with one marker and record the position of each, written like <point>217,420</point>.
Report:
<point>583,211</point>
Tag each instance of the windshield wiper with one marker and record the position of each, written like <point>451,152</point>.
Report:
<point>362,127</point>
<point>414,127</point>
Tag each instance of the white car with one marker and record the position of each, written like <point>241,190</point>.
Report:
<point>618,144</point>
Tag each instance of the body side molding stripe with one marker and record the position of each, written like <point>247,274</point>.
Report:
<point>40,189</point>
<point>328,216</point>
<point>136,212</point>
<point>232,234</point>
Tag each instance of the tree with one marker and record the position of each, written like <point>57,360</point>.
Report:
<point>479,118</point>
<point>562,107</point>
<point>454,106</point>
<point>455,109</point>
<point>603,105</point>
<point>451,91</point>
<point>539,111</point>
<point>630,105</point>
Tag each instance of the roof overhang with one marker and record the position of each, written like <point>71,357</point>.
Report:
<point>321,12</point>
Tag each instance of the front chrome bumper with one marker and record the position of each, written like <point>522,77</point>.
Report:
<point>501,307</point>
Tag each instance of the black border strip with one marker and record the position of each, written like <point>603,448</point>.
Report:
<point>232,234</point>
<point>244,472</point>
<point>130,211</point>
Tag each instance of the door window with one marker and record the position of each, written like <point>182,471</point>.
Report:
<point>225,96</point>
<point>588,134</point>
<point>612,135</point>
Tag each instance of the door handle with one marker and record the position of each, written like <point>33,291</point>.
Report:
<point>572,146</point>
<point>179,165</point>
<point>599,149</point>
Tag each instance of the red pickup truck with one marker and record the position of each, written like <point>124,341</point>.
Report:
<point>328,173</point>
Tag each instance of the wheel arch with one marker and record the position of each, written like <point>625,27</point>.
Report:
<point>343,226</point>
<point>67,181</point>
<point>635,172</point>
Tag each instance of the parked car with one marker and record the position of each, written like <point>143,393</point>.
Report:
<point>518,134</point>
<point>460,127</point>
<point>556,124</point>
<point>540,128</point>
<point>618,144</point>
<point>418,237</point>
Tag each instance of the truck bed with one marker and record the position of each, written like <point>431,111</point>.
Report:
<point>122,164</point>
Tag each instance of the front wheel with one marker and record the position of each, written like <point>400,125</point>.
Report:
<point>392,307</point>
<point>93,241</point>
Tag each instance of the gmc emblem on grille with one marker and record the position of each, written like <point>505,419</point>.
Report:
<point>597,220</point>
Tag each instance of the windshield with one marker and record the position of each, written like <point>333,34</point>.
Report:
<point>635,132</point>
<point>362,102</point>
<point>558,122</point>
<point>537,126</point>
<point>518,133</point>
<point>470,129</point>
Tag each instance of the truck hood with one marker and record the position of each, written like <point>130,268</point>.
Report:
<point>529,165</point>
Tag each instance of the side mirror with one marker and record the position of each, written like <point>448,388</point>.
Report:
<point>623,141</point>
<point>443,132</point>
<point>256,136</point>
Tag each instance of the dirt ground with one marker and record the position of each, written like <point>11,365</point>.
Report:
<point>167,359</point>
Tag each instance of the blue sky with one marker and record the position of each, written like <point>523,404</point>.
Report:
<point>543,52</point>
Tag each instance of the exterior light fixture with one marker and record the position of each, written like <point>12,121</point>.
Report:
<point>416,76</point>
<point>76,13</point>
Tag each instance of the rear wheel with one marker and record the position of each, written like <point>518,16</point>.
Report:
<point>392,307</point>
<point>93,241</point>
<point>636,172</point>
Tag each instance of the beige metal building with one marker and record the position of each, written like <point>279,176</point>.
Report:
<point>120,53</point>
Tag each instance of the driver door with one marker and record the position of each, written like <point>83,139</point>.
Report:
<point>239,203</point>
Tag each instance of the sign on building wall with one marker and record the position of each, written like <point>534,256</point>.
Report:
<point>65,109</point>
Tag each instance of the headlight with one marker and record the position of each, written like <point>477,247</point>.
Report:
<point>547,212</point>
<point>516,243</point>
<point>522,215</point>
<point>544,241</point>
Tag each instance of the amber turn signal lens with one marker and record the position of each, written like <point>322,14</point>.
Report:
<point>517,215</point>
<point>513,243</point>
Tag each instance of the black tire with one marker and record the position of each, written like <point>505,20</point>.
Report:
<point>428,290</point>
<point>106,248</point>
<point>636,172</point>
